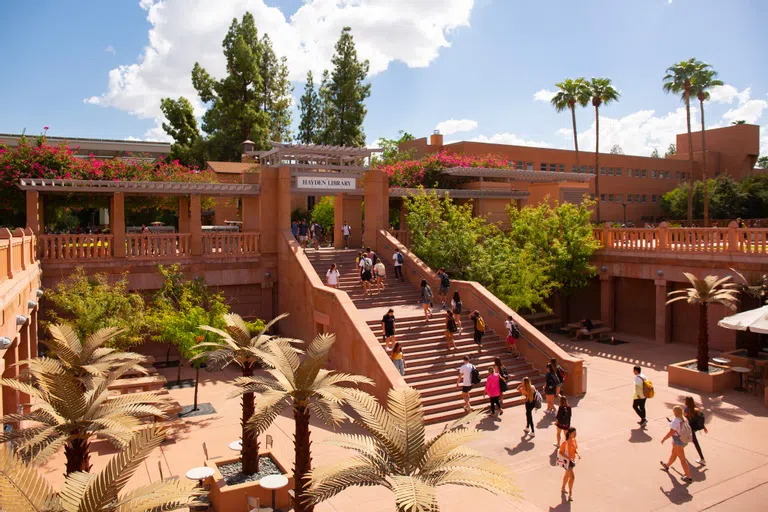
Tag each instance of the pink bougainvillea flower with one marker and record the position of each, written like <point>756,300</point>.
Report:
<point>45,128</point>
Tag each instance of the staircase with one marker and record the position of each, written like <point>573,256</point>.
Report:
<point>430,367</point>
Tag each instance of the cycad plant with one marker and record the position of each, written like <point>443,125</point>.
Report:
<point>569,94</point>
<point>601,92</point>
<point>302,384</point>
<point>702,81</point>
<point>397,455</point>
<point>23,489</point>
<point>236,345</point>
<point>703,292</point>
<point>65,414</point>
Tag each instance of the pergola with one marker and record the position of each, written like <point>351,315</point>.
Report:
<point>516,175</point>
<point>458,193</point>
<point>163,188</point>
<point>315,157</point>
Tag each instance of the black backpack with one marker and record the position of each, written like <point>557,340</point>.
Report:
<point>515,330</point>
<point>452,325</point>
<point>400,259</point>
<point>503,377</point>
<point>475,376</point>
<point>374,258</point>
<point>444,281</point>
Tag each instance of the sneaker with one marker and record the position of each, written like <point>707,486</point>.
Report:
<point>644,423</point>
<point>687,479</point>
<point>533,434</point>
<point>526,430</point>
<point>701,461</point>
<point>666,468</point>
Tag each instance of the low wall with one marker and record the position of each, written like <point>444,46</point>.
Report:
<point>314,309</point>
<point>537,348</point>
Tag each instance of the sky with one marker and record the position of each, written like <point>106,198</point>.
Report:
<point>479,70</point>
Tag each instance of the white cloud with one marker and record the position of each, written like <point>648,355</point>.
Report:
<point>727,93</point>
<point>186,31</point>
<point>544,95</point>
<point>748,110</point>
<point>110,49</point>
<point>451,126</point>
<point>509,138</point>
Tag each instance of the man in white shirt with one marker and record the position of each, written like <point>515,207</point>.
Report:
<point>346,230</point>
<point>398,259</point>
<point>367,274</point>
<point>638,402</point>
<point>465,381</point>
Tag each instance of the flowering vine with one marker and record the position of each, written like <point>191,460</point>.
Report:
<point>426,171</point>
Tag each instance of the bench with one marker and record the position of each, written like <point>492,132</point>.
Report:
<point>546,322</point>
<point>575,326</point>
<point>596,332</point>
<point>134,384</point>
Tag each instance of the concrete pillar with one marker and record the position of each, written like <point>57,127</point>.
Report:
<point>267,206</point>
<point>403,216</point>
<point>33,211</point>
<point>607,291</point>
<point>348,208</point>
<point>283,218</point>
<point>10,371</point>
<point>195,226</point>
<point>23,355</point>
<point>33,349</point>
<point>663,312</point>
<point>376,196</point>
<point>183,214</point>
<point>117,221</point>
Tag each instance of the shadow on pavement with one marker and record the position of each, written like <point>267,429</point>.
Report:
<point>525,445</point>
<point>639,435</point>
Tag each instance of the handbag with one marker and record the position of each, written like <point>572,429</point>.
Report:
<point>563,461</point>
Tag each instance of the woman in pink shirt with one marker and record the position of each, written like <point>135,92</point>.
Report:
<point>493,390</point>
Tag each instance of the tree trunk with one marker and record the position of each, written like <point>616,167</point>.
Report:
<point>575,135</point>
<point>178,373</point>
<point>197,382</point>
<point>77,453</point>
<point>690,158</point>
<point>168,355</point>
<point>702,357</point>
<point>597,163</point>
<point>704,165</point>
<point>303,461</point>
<point>250,450</point>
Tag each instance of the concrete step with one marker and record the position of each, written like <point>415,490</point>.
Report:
<point>454,408</point>
<point>437,369</point>
<point>448,380</point>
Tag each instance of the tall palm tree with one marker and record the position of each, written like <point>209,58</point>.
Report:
<point>396,455</point>
<point>22,488</point>
<point>703,80</point>
<point>63,414</point>
<point>601,92</point>
<point>302,384</point>
<point>571,93</point>
<point>236,345</point>
<point>703,292</point>
<point>678,81</point>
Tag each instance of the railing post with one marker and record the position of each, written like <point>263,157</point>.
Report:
<point>607,235</point>
<point>117,218</point>
<point>18,232</point>
<point>733,236</point>
<point>5,234</point>
<point>661,241</point>
<point>195,226</point>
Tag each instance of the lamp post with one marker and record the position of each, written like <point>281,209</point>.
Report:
<point>624,204</point>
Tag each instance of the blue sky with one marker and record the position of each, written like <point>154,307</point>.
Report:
<point>84,68</point>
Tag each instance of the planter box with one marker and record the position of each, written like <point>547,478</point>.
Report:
<point>739,358</point>
<point>681,377</point>
<point>226,498</point>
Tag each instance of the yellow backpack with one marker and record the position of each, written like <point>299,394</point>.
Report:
<point>648,391</point>
<point>480,324</point>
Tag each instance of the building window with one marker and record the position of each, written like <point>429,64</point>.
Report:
<point>653,174</point>
<point>519,165</point>
<point>553,167</point>
<point>653,198</point>
<point>602,171</point>
<point>629,173</point>
<point>574,168</point>
<point>543,166</point>
<point>619,198</point>
<point>645,173</point>
<point>562,167</point>
<point>610,171</point>
<point>645,198</point>
<point>602,197</point>
<point>637,198</point>
<point>618,171</point>
<point>591,169</point>
<point>677,175</point>
<point>637,173</point>
<point>668,174</point>
<point>610,198</point>
<point>629,198</point>
<point>529,166</point>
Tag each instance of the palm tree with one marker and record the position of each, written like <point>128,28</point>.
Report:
<point>396,455</point>
<point>22,488</point>
<point>710,290</point>
<point>678,81</point>
<point>571,93</point>
<point>237,346</point>
<point>64,415</point>
<point>602,92</point>
<point>303,385</point>
<point>704,79</point>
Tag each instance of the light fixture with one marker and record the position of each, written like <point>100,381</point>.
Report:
<point>603,268</point>
<point>659,272</point>
<point>267,275</point>
<point>5,342</point>
<point>21,319</point>
<point>31,304</point>
<point>39,293</point>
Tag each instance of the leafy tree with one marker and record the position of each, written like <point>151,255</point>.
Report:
<point>678,81</point>
<point>671,150</point>
<point>325,118</point>
<point>323,213</point>
<point>188,147</point>
<point>755,189</point>
<point>727,198</point>
<point>310,108</point>
<point>702,81</point>
<point>601,92</point>
<point>396,455</point>
<point>391,147</point>
<point>762,162</point>
<point>276,91</point>
<point>617,150</point>
<point>91,303</point>
<point>740,121</point>
<point>655,153</point>
<point>571,93</point>
<point>730,198</point>
<point>675,202</point>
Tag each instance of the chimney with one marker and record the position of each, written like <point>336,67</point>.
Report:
<point>436,139</point>
<point>248,146</point>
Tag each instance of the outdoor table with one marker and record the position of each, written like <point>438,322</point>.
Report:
<point>236,446</point>
<point>200,474</point>
<point>273,482</point>
<point>741,371</point>
<point>720,360</point>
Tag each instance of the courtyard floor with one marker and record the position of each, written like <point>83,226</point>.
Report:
<point>619,469</point>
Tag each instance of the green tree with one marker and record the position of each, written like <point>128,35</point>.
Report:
<point>391,147</point>
<point>740,121</point>
<point>616,150</point>
<point>655,153</point>
<point>571,93</point>
<point>678,81</point>
<point>189,147</point>
<point>675,202</point>
<point>276,91</point>
<point>762,162</point>
<point>326,122</point>
<point>671,150</point>
<point>755,190</point>
<point>601,92</point>
<point>309,106</point>
<point>703,80</point>
<point>323,213</point>
<point>727,198</point>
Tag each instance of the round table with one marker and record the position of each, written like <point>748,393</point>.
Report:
<point>200,474</point>
<point>720,360</point>
<point>273,482</point>
<point>236,446</point>
<point>741,371</point>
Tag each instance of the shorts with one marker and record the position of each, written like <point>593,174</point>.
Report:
<point>443,290</point>
<point>346,237</point>
<point>426,301</point>
<point>511,339</point>
<point>466,389</point>
<point>677,442</point>
<point>366,275</point>
<point>562,427</point>
<point>389,332</point>
<point>302,238</point>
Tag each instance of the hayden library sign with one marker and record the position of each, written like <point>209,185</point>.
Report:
<point>325,183</point>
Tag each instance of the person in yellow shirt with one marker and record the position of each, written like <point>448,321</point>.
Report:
<point>569,450</point>
<point>397,358</point>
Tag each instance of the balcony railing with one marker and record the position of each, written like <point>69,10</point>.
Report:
<point>157,245</point>
<point>18,251</point>
<point>75,247</point>
<point>222,244</point>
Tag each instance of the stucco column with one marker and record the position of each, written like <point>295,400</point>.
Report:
<point>195,226</point>
<point>283,219</point>
<point>33,332</point>
<point>183,214</point>
<point>376,195</point>
<point>663,312</point>
<point>607,290</point>
<point>33,211</point>
<point>267,205</point>
<point>23,355</point>
<point>117,219</point>
<point>10,371</point>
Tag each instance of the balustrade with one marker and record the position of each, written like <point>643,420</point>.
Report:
<point>222,244</point>
<point>157,245</point>
<point>75,247</point>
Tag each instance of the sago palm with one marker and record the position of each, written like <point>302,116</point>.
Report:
<point>63,415</point>
<point>704,80</point>
<point>571,93</point>
<point>396,455</point>
<point>678,81</point>
<point>236,345</point>
<point>703,292</point>
<point>601,92</point>
<point>300,383</point>
<point>23,489</point>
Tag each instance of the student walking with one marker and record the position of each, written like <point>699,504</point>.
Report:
<point>450,329</point>
<point>563,419</point>
<point>445,285</point>
<point>639,398</point>
<point>317,232</point>
<point>398,260</point>
<point>388,326</point>
<point>456,306</point>
<point>513,334</point>
<point>560,375</point>
<point>681,434</point>
<point>695,418</point>
<point>479,325</point>
<point>295,229</point>
<point>550,385</point>
<point>426,299</point>
<point>493,390</point>
<point>332,276</point>
<point>569,450</point>
<point>303,232</point>
<point>346,231</point>
<point>527,390</point>
<point>397,358</point>
<point>379,272</point>
<point>366,275</point>
<point>465,381</point>
<point>503,381</point>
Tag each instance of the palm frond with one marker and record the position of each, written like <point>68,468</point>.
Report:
<point>327,481</point>
<point>329,412</point>
<point>267,407</point>
<point>413,495</point>
<point>406,410</point>
<point>377,421</point>
<point>159,496</point>
<point>22,488</point>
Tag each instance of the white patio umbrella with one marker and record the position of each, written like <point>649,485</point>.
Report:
<point>754,320</point>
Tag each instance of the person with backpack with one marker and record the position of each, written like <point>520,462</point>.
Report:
<point>479,324</point>
<point>379,273</point>
<point>388,326</point>
<point>550,385</point>
<point>425,298</point>
<point>398,260</point>
<point>560,375</point>
<point>457,306</point>
<point>346,231</point>
<point>445,284</point>
<point>529,393</point>
<point>468,374</point>
<point>696,421</point>
<point>563,418</point>
<point>493,390</point>
<point>367,272</point>
<point>317,232</point>
<point>639,398</point>
<point>503,381</point>
<point>513,334</point>
<point>372,255</point>
<point>568,452</point>
<point>303,231</point>
<point>450,329</point>
<point>681,435</point>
